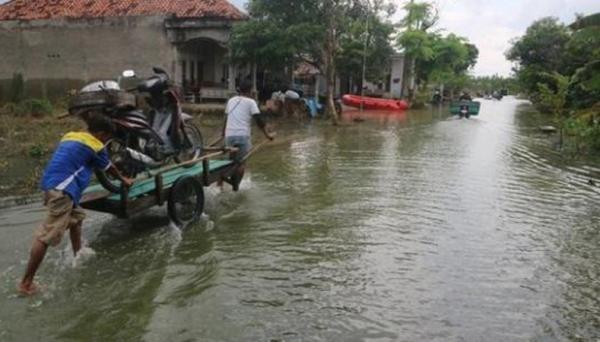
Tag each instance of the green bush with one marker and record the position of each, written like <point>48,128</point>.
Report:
<point>37,151</point>
<point>36,107</point>
<point>421,99</point>
<point>586,133</point>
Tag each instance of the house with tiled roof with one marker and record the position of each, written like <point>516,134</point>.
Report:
<point>60,44</point>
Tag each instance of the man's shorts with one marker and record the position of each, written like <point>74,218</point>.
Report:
<point>61,216</point>
<point>242,143</point>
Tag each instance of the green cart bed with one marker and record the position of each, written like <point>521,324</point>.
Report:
<point>473,107</point>
<point>180,186</point>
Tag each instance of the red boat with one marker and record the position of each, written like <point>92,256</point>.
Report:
<point>374,103</point>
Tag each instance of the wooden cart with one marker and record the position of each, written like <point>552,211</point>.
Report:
<point>180,186</point>
<point>465,108</point>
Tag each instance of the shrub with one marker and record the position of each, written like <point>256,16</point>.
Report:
<point>36,107</point>
<point>37,151</point>
<point>422,97</point>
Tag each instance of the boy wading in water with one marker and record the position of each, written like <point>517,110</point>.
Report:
<point>68,173</point>
<point>239,113</point>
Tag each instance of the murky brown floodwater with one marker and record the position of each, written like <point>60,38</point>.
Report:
<point>411,227</point>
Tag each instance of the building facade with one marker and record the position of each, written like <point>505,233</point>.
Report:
<point>56,45</point>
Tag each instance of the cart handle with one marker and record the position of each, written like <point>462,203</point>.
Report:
<point>216,141</point>
<point>255,148</point>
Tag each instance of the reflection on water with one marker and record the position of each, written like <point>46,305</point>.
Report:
<point>397,227</point>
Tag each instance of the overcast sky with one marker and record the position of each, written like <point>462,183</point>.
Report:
<point>491,24</point>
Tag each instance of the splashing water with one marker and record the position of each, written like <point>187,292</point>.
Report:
<point>83,256</point>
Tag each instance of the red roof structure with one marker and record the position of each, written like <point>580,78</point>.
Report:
<point>53,9</point>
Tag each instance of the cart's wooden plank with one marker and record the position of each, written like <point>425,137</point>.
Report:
<point>145,186</point>
<point>169,178</point>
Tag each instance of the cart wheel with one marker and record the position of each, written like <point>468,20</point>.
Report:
<point>186,201</point>
<point>236,180</point>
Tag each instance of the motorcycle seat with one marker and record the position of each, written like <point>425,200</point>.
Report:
<point>137,114</point>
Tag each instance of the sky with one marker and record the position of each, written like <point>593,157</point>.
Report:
<point>492,24</point>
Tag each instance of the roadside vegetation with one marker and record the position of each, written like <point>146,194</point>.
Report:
<point>354,40</point>
<point>28,137</point>
<point>489,84</point>
<point>333,37</point>
<point>559,69</point>
<point>434,59</point>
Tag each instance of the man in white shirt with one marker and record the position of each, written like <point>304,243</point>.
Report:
<point>239,113</point>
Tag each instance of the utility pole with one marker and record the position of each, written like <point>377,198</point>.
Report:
<point>364,66</point>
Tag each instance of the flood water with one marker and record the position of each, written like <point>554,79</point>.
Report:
<point>406,227</point>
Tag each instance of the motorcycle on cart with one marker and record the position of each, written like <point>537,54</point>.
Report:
<point>145,139</point>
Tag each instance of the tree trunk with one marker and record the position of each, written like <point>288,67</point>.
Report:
<point>329,66</point>
<point>254,85</point>
<point>412,83</point>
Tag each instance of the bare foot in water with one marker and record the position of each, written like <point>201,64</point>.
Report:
<point>28,290</point>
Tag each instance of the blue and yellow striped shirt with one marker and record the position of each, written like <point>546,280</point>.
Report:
<point>72,164</point>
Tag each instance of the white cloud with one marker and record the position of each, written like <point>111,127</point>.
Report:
<point>491,25</point>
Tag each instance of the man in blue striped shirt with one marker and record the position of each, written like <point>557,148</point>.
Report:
<point>68,173</point>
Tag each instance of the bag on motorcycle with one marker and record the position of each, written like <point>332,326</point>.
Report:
<point>109,98</point>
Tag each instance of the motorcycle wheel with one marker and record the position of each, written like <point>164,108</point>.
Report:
<point>118,155</point>
<point>192,144</point>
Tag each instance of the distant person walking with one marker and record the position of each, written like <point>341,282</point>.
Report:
<point>68,173</point>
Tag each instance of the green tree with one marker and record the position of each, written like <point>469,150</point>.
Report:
<point>452,57</point>
<point>367,39</point>
<point>583,51</point>
<point>540,51</point>
<point>283,32</point>
<point>260,41</point>
<point>559,67</point>
<point>415,40</point>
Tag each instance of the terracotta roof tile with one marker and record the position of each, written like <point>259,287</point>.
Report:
<point>49,9</point>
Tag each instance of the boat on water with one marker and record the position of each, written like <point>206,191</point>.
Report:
<point>373,102</point>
